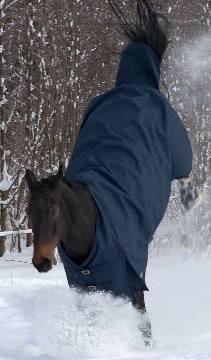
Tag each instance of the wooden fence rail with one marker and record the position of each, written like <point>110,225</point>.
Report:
<point>15,232</point>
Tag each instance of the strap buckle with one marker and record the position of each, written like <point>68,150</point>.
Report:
<point>92,288</point>
<point>85,272</point>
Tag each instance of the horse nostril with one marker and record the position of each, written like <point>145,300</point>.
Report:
<point>44,266</point>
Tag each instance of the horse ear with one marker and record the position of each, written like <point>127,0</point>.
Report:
<point>60,172</point>
<point>55,179</point>
<point>30,179</point>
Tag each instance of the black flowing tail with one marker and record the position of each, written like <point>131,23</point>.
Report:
<point>150,28</point>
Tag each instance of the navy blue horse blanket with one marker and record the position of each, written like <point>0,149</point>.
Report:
<point>131,145</point>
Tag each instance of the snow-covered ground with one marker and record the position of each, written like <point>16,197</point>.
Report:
<point>41,318</point>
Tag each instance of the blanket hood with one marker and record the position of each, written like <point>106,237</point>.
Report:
<point>139,64</point>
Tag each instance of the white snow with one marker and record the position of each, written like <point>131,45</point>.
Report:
<point>196,56</point>
<point>41,318</point>
<point>2,2</point>
<point>6,182</point>
<point>4,99</point>
<point>31,23</point>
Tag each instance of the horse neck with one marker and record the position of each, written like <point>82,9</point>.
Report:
<point>80,219</point>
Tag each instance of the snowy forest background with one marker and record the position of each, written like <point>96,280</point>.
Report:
<point>55,55</point>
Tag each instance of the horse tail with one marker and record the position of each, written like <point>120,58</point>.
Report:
<point>150,28</point>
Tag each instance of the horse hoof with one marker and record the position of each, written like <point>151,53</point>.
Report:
<point>149,343</point>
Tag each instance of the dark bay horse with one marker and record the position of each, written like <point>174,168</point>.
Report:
<point>103,213</point>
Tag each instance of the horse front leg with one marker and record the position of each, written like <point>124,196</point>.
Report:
<point>145,324</point>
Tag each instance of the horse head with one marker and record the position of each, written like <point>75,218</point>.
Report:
<point>44,213</point>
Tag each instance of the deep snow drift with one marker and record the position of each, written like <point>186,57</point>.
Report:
<point>41,318</point>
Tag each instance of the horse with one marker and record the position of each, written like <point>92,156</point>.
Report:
<point>102,214</point>
<point>64,209</point>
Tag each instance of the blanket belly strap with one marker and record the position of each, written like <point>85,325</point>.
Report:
<point>111,274</point>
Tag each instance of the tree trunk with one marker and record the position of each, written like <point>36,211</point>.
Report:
<point>29,237</point>
<point>3,194</point>
<point>3,219</point>
<point>3,197</point>
<point>2,245</point>
<point>19,243</point>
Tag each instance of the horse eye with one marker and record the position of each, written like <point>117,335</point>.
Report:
<point>53,210</point>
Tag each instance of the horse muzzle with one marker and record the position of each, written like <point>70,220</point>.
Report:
<point>44,266</point>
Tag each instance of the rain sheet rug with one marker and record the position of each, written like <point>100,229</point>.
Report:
<point>130,147</point>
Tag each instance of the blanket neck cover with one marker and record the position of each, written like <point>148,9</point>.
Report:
<point>131,145</point>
